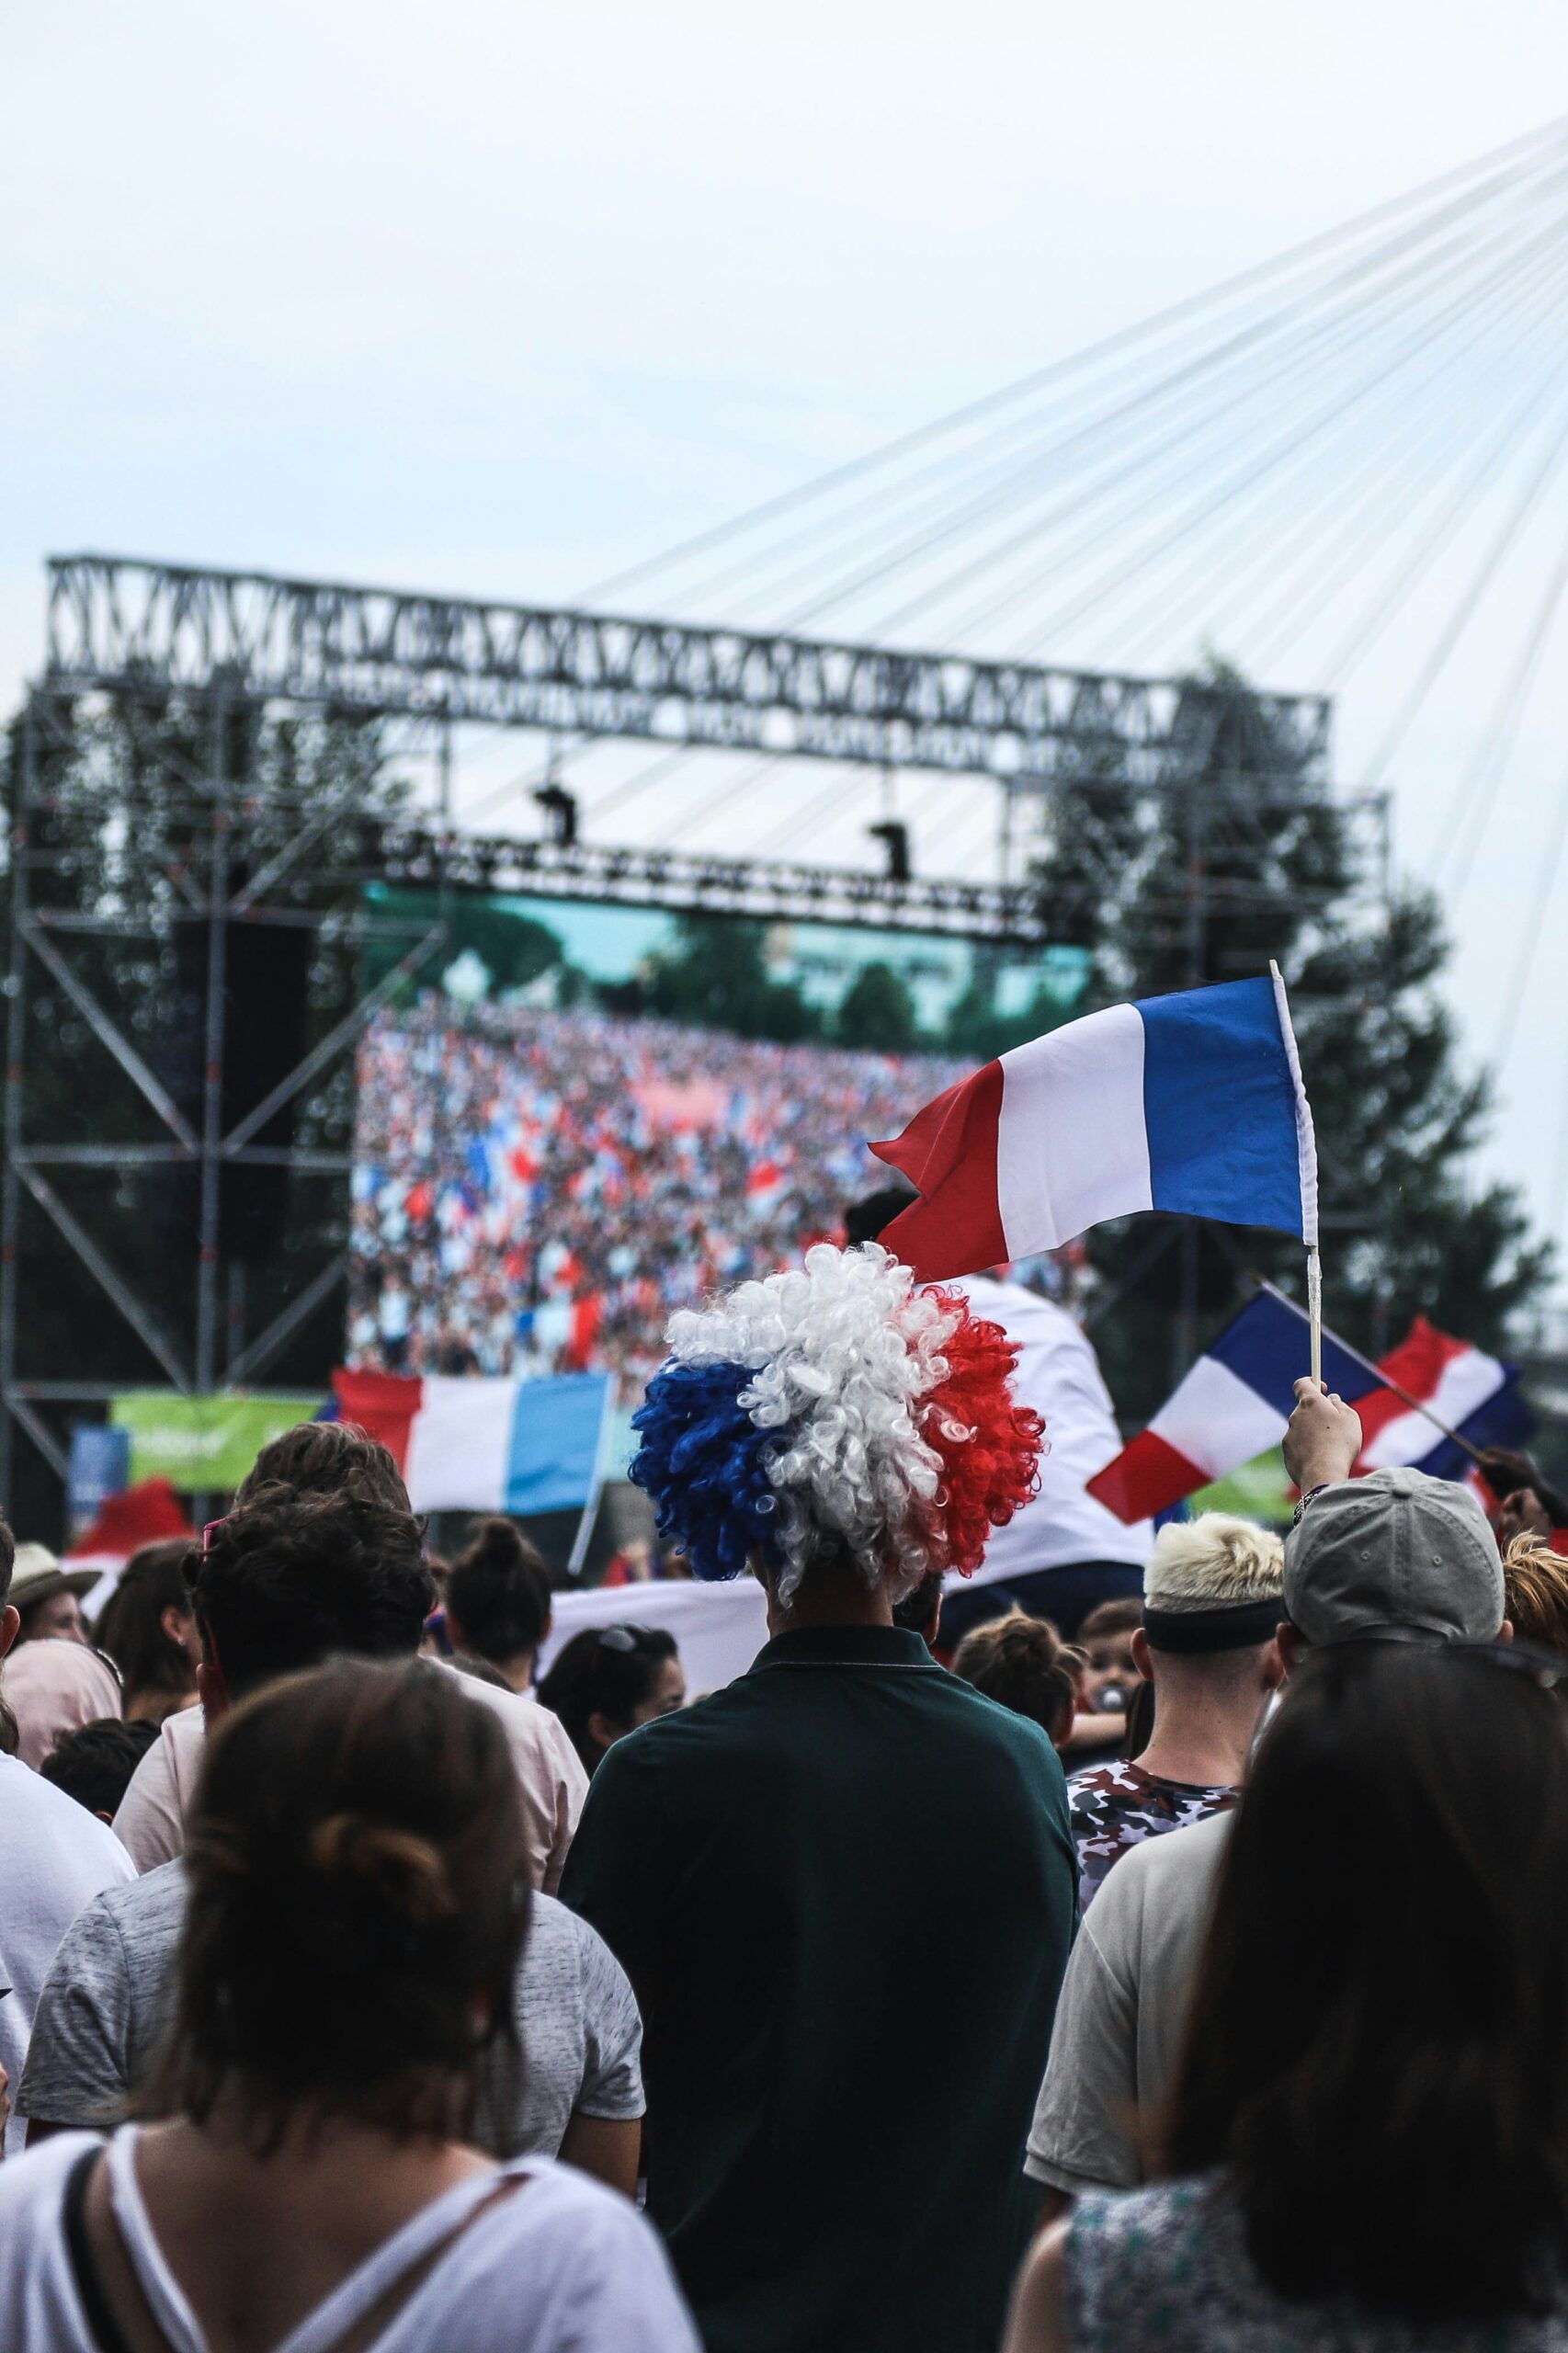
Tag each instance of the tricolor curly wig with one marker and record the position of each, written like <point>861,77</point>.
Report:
<point>835,1411</point>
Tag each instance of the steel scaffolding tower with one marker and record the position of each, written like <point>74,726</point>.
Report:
<point>197,666</point>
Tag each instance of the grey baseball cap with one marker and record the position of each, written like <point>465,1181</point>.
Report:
<point>1397,1547</point>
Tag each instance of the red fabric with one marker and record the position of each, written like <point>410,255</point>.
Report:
<point>948,1153</point>
<point>1417,1365</point>
<point>382,1404</point>
<point>149,1513</point>
<point>989,1447</point>
<point>1147,1476</point>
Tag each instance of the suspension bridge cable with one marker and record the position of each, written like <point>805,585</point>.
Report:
<point>1499,162</point>
<point>1366,274</point>
<point>1253,555</point>
<point>1388,596</point>
<point>1463,613</point>
<point>1469,803</point>
<point>1236,484</point>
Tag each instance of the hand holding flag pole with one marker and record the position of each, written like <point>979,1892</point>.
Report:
<point>1377,1373</point>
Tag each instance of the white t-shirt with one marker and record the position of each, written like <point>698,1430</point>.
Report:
<point>560,2265</point>
<point>1058,1374</point>
<point>151,1821</point>
<point>54,1857</point>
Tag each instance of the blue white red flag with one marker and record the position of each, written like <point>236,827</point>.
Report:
<point>1188,1102</point>
<point>464,1443</point>
<point>1235,1402</point>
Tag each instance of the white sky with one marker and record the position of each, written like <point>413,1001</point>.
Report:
<point>498,299</point>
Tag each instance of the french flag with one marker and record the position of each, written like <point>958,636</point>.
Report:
<point>1189,1103</point>
<point>1464,1387</point>
<point>465,1443</point>
<point>1236,1403</point>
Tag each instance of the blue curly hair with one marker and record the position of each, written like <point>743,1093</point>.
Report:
<point>703,1461</point>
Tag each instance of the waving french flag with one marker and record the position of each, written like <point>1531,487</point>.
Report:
<point>1235,1402</point>
<point>1192,1102</point>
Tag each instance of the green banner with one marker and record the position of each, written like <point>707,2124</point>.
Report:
<point>202,1444</point>
<point>1259,1490</point>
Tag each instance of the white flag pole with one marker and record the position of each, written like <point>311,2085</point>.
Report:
<point>1314,1264</point>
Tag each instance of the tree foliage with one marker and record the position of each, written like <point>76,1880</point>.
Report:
<point>1203,875</point>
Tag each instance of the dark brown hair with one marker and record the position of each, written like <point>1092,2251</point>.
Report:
<point>357,1874</point>
<point>1377,2055</point>
<point>129,1626</point>
<point>294,1579</point>
<point>1024,1663</point>
<point>327,1458</point>
<point>1117,1616</point>
<point>604,1671</point>
<point>497,1593</point>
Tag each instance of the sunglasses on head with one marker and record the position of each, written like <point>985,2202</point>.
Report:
<point>623,1639</point>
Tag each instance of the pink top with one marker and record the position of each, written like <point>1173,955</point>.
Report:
<point>151,1821</point>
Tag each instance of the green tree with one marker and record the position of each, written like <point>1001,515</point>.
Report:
<point>1233,854</point>
<point>717,975</point>
<point>877,1010</point>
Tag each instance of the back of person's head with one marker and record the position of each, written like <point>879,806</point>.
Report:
<point>865,1220</point>
<point>1214,1586</point>
<point>920,1611</point>
<point>497,1594</point>
<point>327,1458</point>
<point>55,1687</point>
<point>1023,1663</point>
<point>1535,1593</point>
<point>95,1764</point>
<point>606,1681</point>
<point>357,1874</point>
<point>133,1625</point>
<point>293,1579</point>
<point>1397,1547</point>
<point>1110,1618</point>
<point>1377,2048</point>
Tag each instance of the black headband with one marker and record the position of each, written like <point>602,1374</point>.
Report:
<point>1240,1626</point>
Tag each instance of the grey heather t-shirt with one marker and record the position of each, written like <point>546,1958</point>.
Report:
<point>110,1995</point>
<point>1123,2007</point>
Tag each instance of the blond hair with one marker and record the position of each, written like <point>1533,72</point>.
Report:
<point>1535,1593</point>
<point>1212,1562</point>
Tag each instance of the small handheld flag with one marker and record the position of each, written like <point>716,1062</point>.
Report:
<point>1429,1404</point>
<point>1189,1103</point>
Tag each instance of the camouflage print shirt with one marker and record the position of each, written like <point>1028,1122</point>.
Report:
<point>1114,1806</point>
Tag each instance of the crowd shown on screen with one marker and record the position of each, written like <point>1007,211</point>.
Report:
<point>1004,1996</point>
<point>536,1191</point>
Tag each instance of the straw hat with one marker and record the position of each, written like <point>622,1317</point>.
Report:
<point>38,1576</point>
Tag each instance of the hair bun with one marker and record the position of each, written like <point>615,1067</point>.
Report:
<point>405,1870</point>
<point>496,1549</point>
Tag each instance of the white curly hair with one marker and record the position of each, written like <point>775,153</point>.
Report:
<point>843,1349</point>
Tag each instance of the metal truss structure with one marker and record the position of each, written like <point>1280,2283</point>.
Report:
<point>378,650</point>
<point>228,654</point>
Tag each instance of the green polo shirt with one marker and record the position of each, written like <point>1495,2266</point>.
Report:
<point>843,1888</point>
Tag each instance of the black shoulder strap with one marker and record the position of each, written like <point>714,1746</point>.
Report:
<point>102,2325</point>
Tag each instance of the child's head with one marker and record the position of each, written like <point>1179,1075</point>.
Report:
<point>1024,1663</point>
<point>1105,1638</point>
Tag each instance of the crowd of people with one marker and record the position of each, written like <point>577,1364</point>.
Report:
<point>1199,1980</point>
<point>536,1191</point>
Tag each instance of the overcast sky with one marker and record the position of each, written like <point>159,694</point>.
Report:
<point>499,299</point>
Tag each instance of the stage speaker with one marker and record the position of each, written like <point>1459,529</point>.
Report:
<point>265,999</point>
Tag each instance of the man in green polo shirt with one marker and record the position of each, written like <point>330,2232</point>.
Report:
<point>844,1886</point>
